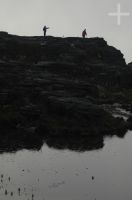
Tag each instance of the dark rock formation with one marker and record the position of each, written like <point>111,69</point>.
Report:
<point>57,87</point>
<point>129,123</point>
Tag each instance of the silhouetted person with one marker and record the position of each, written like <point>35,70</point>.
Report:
<point>45,30</point>
<point>84,33</point>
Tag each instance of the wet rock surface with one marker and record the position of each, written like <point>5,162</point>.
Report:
<point>56,88</point>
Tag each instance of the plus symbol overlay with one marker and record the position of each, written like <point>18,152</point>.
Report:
<point>119,14</point>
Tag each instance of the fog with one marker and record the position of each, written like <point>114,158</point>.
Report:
<point>69,18</point>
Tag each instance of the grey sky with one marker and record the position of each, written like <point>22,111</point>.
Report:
<point>69,18</point>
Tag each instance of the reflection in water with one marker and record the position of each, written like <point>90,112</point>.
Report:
<point>18,141</point>
<point>75,144</point>
<point>33,141</point>
<point>58,173</point>
<point>13,143</point>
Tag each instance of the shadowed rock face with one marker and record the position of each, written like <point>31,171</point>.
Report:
<point>51,49</point>
<point>56,88</point>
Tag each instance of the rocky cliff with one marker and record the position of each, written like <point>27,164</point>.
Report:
<point>62,88</point>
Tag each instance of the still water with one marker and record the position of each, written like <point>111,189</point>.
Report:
<point>51,174</point>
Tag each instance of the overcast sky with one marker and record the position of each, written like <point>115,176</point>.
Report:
<point>69,18</point>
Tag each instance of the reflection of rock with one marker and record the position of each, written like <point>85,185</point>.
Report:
<point>75,143</point>
<point>129,123</point>
<point>13,142</point>
<point>58,90</point>
<point>35,143</point>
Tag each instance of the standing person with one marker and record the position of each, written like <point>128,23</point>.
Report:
<point>45,30</point>
<point>84,33</point>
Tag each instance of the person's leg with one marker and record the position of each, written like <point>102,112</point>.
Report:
<point>44,33</point>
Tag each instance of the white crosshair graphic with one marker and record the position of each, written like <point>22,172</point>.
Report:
<point>119,14</point>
